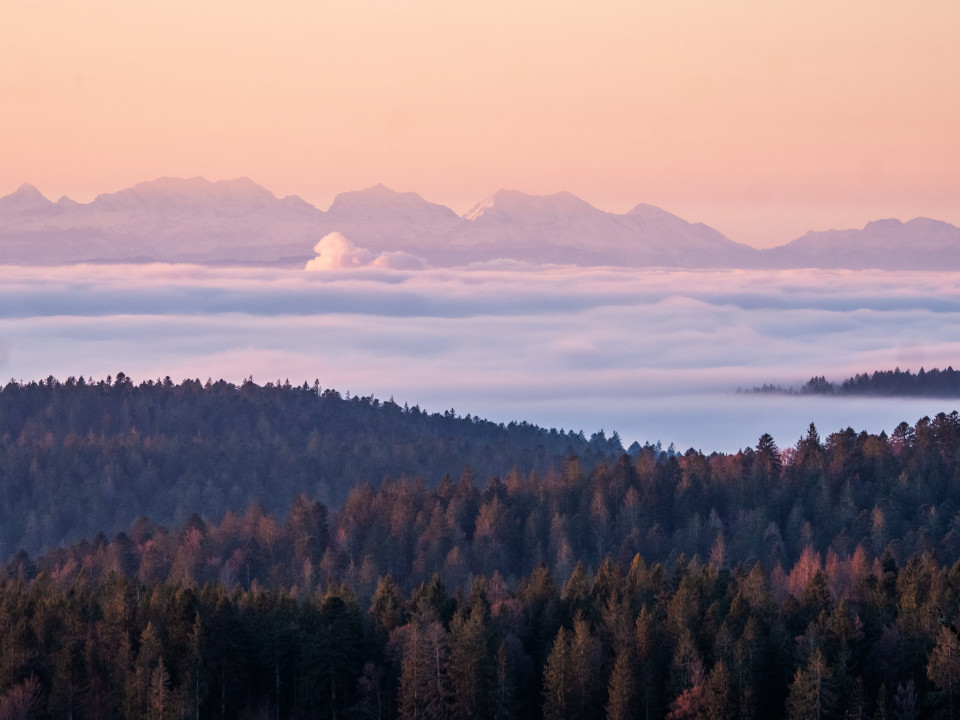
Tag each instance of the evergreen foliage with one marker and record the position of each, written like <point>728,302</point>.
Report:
<point>79,457</point>
<point>897,382</point>
<point>816,581</point>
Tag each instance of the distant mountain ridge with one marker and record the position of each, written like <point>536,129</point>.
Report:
<point>239,221</point>
<point>920,244</point>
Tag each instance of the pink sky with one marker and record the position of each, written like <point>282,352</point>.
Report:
<point>763,120</point>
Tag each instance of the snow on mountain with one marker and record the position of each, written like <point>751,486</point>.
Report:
<point>513,206</point>
<point>169,219</point>
<point>228,221</point>
<point>563,228</point>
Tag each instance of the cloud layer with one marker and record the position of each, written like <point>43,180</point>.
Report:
<point>653,354</point>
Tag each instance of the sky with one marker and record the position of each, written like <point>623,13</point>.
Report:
<point>655,355</point>
<point>763,120</point>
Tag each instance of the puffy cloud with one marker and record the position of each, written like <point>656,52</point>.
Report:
<point>336,252</point>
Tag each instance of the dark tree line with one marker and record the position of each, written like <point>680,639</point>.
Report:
<point>935,383</point>
<point>928,383</point>
<point>78,457</point>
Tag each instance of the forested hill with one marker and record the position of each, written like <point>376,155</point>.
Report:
<point>80,457</point>
<point>925,383</point>
<point>818,581</point>
<point>931,383</point>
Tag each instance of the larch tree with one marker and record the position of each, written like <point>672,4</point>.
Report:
<point>811,696</point>
<point>944,666</point>
<point>557,677</point>
<point>621,690</point>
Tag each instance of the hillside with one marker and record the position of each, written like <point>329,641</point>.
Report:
<point>78,458</point>
<point>769,583</point>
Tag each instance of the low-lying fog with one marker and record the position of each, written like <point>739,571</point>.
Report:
<point>653,354</point>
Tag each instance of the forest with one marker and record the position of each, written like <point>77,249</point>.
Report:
<point>80,457</point>
<point>897,382</point>
<point>555,577</point>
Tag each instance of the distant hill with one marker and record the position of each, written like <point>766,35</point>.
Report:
<point>902,383</point>
<point>928,383</point>
<point>78,457</point>
<point>920,244</point>
<point>238,221</point>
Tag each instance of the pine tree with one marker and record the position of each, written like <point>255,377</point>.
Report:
<point>160,697</point>
<point>944,665</point>
<point>468,667</point>
<point>424,692</point>
<point>557,679</point>
<point>810,695</point>
<point>386,608</point>
<point>139,682</point>
<point>687,679</point>
<point>621,690</point>
<point>649,649</point>
<point>504,690</point>
<point>585,670</point>
<point>718,701</point>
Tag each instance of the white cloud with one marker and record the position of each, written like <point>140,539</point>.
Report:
<point>336,252</point>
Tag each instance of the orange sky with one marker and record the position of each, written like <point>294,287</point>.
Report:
<point>762,119</point>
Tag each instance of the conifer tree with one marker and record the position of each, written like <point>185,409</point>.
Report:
<point>424,690</point>
<point>811,696</point>
<point>621,691</point>
<point>557,679</point>
<point>504,690</point>
<point>944,666</point>
<point>160,696</point>
<point>718,701</point>
<point>468,665</point>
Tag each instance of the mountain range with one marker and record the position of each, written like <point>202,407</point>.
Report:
<point>238,222</point>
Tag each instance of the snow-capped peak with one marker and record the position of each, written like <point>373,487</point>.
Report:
<point>520,207</point>
<point>481,207</point>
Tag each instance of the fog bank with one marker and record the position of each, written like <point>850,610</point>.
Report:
<point>653,354</point>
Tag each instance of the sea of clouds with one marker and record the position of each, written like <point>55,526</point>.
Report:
<point>654,354</point>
